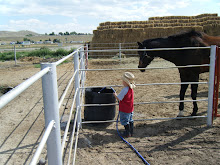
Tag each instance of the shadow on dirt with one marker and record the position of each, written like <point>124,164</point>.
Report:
<point>188,128</point>
<point>199,94</point>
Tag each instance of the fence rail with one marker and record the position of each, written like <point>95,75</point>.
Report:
<point>146,84</point>
<point>42,143</point>
<point>155,49</point>
<point>150,68</point>
<point>8,97</point>
<point>152,119</point>
<point>139,103</point>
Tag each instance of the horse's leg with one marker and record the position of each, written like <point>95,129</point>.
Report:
<point>194,88</point>
<point>182,95</point>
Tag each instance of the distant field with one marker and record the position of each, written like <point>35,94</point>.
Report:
<point>66,38</point>
<point>19,47</point>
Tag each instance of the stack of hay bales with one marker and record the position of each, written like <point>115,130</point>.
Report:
<point>133,31</point>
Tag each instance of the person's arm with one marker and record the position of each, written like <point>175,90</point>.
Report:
<point>116,96</point>
<point>121,95</point>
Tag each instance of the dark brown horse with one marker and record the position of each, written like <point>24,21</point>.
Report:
<point>181,58</point>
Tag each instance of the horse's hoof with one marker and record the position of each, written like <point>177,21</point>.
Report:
<point>193,114</point>
<point>181,114</point>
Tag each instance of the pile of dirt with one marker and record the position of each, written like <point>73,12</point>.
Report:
<point>38,60</point>
<point>34,60</point>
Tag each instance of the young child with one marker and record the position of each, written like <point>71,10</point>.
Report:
<point>126,103</point>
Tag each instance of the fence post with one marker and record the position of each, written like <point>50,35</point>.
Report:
<point>211,84</point>
<point>51,112</point>
<point>87,56</point>
<point>15,55</point>
<point>120,51</point>
<point>216,86</point>
<point>82,66</point>
<point>77,85</point>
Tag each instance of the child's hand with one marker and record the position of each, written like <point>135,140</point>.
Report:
<point>116,96</point>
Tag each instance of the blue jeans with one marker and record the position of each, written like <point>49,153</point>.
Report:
<point>125,118</point>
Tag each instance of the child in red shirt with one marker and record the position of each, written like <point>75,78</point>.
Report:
<point>126,103</point>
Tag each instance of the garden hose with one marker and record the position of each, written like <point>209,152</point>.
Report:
<point>140,156</point>
<point>145,162</point>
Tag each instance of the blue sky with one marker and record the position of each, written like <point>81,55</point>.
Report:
<point>83,16</point>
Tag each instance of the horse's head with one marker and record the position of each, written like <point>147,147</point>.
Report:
<point>145,59</point>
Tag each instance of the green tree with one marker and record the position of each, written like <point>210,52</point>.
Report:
<point>67,33</point>
<point>73,33</point>
<point>29,35</point>
<point>26,39</point>
<point>52,34</point>
<point>56,41</point>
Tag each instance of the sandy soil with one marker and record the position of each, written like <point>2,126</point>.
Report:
<point>160,142</point>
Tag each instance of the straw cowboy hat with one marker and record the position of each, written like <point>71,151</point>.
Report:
<point>129,79</point>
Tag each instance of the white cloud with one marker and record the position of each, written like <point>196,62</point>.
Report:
<point>45,27</point>
<point>88,10</point>
<point>112,9</point>
<point>30,24</point>
<point>5,9</point>
<point>201,1</point>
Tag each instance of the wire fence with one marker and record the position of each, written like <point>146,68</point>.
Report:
<point>210,83</point>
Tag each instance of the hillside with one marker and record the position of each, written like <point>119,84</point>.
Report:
<point>21,33</point>
<point>9,36</point>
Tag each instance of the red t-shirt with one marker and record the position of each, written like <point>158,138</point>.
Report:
<point>127,103</point>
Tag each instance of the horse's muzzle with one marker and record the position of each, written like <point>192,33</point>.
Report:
<point>142,70</point>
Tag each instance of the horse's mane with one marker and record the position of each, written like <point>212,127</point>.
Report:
<point>184,34</point>
<point>201,37</point>
<point>196,37</point>
<point>191,33</point>
<point>211,40</point>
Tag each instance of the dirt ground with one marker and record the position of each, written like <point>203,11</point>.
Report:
<point>186,141</point>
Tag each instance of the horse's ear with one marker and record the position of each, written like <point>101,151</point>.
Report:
<point>140,44</point>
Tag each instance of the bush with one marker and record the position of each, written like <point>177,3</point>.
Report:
<point>71,50</point>
<point>42,52</point>
<point>7,56</point>
<point>60,52</point>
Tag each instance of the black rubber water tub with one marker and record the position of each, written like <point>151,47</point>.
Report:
<point>99,113</point>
